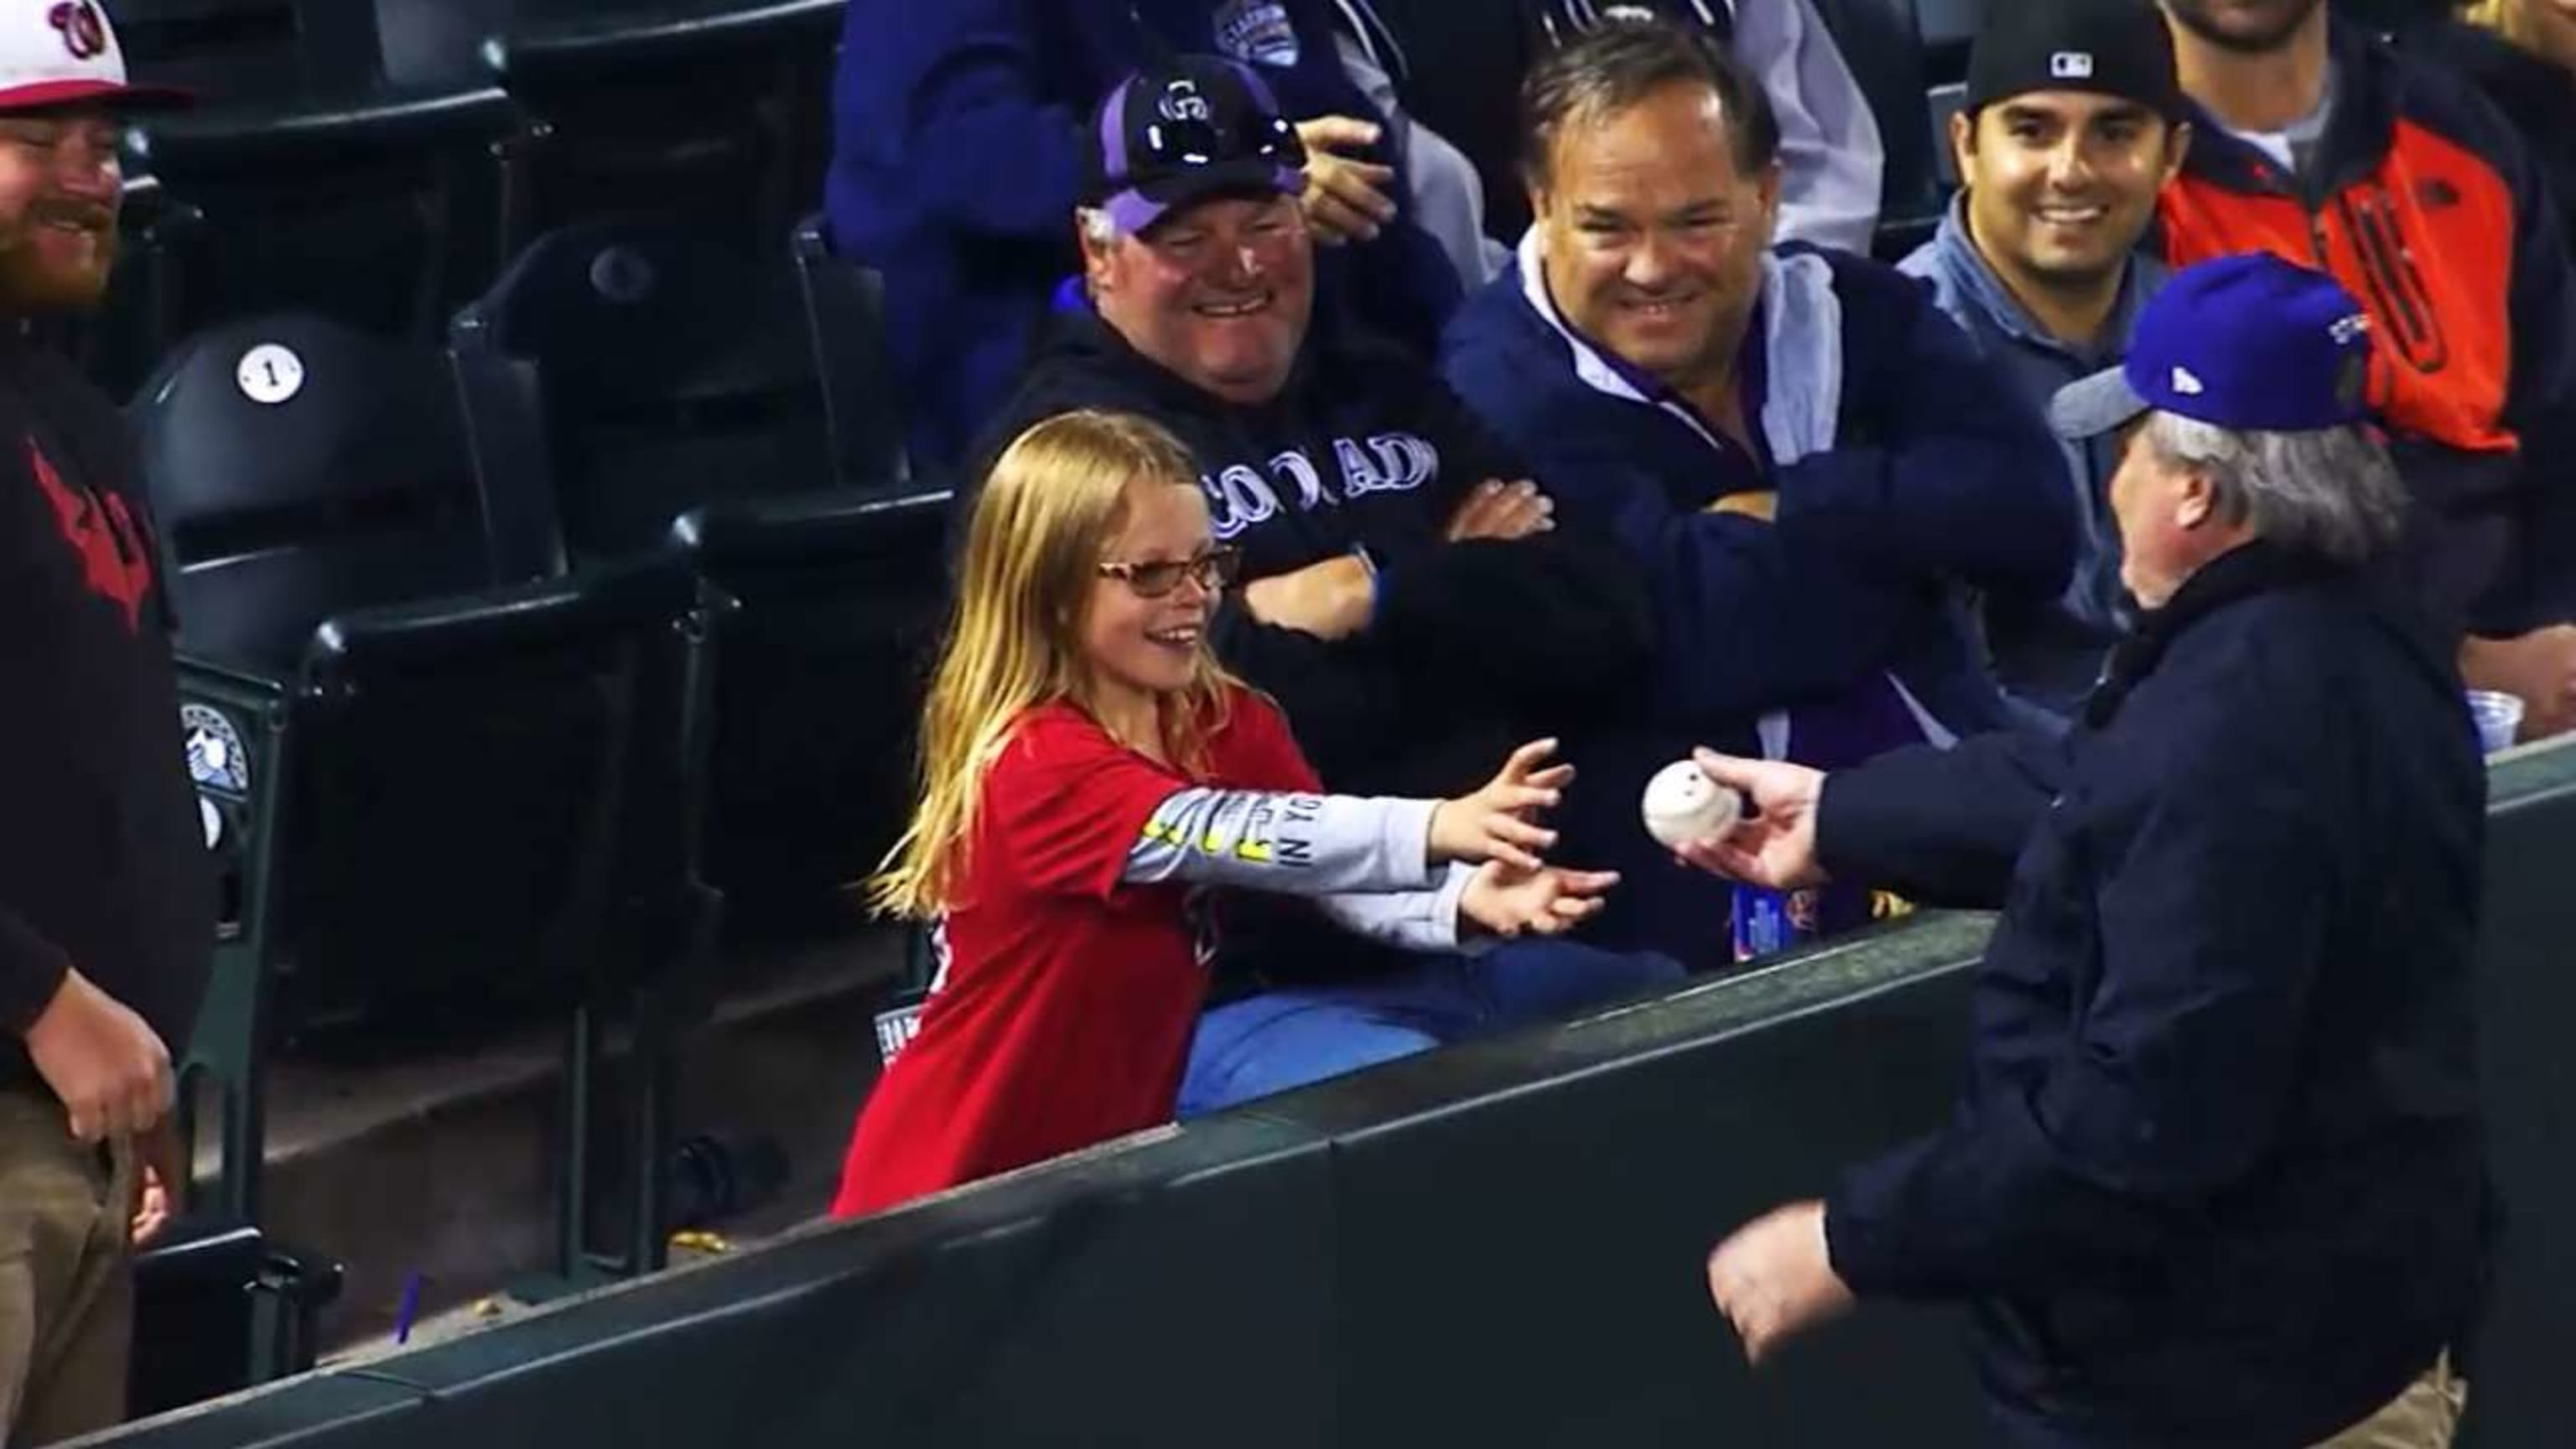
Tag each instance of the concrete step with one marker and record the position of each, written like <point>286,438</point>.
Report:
<point>438,1161</point>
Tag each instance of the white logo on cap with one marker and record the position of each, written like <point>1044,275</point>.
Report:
<point>2346,329</point>
<point>2187,383</point>
<point>1182,102</point>
<point>2071,65</point>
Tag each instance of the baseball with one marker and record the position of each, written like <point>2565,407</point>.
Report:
<point>1683,805</point>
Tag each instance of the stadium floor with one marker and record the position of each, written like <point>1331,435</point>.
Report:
<point>432,1160</point>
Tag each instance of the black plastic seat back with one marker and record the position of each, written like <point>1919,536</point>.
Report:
<point>301,469</point>
<point>841,598</point>
<point>713,111</point>
<point>217,49</point>
<point>671,368</point>
<point>384,209</point>
<point>1879,43</point>
<point>438,42</point>
<point>1947,29</point>
<point>845,325</point>
<point>217,1308</point>
<point>452,822</point>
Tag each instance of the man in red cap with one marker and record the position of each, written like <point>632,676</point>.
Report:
<point>106,903</point>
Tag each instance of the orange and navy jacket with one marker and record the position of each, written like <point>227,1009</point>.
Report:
<point>2424,203</point>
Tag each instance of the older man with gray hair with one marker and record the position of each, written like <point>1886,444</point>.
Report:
<point>2216,1177</point>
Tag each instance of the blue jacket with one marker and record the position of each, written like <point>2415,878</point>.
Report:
<point>957,161</point>
<point>2216,1178</point>
<point>2049,652</point>
<point>1937,479</point>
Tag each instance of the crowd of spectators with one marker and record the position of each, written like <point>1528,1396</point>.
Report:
<point>1675,461</point>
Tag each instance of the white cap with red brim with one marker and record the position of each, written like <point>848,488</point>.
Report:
<point>64,53</point>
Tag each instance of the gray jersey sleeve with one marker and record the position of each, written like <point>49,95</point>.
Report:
<point>1414,920</point>
<point>1305,845</point>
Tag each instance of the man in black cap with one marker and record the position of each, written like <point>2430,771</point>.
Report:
<point>2216,1177</point>
<point>1406,597</point>
<point>2073,123</point>
<point>106,901</point>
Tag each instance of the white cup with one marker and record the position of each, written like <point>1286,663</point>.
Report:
<point>2498,716</point>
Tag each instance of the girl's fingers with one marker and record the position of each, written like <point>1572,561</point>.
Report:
<point>1528,757</point>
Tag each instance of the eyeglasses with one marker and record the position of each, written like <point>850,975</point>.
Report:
<point>1154,578</point>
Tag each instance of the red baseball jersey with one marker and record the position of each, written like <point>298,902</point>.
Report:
<point>1065,1012</point>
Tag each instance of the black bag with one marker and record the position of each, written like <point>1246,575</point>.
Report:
<point>218,1308</point>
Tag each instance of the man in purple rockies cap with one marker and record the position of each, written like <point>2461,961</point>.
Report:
<point>2216,1178</point>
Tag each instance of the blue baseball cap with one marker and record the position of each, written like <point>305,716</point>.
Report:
<point>2248,342</point>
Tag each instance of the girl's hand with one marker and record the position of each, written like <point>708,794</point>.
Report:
<point>1494,823</point>
<point>1508,902</point>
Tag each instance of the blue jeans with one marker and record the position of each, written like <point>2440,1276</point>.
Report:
<point>1284,1039</point>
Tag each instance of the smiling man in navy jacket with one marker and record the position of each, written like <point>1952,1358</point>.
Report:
<point>2216,1179</point>
<point>1812,464</point>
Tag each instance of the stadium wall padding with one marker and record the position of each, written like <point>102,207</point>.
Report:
<point>1498,1244</point>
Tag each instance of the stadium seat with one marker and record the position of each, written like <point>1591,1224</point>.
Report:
<point>1880,42</point>
<point>664,367</point>
<point>836,602</point>
<point>292,191</point>
<point>307,154</point>
<point>1947,28</point>
<point>215,49</point>
<point>218,1307</point>
<point>664,371</point>
<point>714,110</point>
<point>435,797</point>
<point>845,324</point>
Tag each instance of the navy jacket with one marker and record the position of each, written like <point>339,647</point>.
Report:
<point>957,161</point>
<point>1939,480</point>
<point>1474,647</point>
<point>2216,1178</point>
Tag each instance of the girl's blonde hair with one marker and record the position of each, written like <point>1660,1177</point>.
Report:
<point>1050,509</point>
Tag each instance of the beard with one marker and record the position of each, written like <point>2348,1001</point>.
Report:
<point>34,278</point>
<point>2200,17</point>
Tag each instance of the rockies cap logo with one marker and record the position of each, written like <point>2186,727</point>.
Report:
<point>1182,102</point>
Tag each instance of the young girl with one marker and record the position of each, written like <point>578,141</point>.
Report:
<point>1085,765</point>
